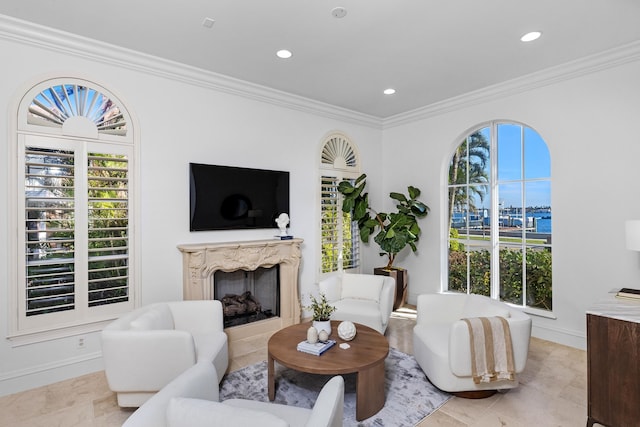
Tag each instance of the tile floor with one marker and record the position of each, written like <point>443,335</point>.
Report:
<point>552,393</point>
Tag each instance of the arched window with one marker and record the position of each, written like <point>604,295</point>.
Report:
<point>340,247</point>
<point>74,161</point>
<point>499,211</point>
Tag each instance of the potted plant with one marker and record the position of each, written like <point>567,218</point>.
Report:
<point>321,310</point>
<point>395,230</point>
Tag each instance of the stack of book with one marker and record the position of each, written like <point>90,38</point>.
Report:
<point>629,293</point>
<point>316,348</point>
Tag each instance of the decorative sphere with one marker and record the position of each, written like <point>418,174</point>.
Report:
<point>346,330</point>
<point>323,336</point>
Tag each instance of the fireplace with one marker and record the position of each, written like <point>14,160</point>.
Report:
<point>248,296</point>
<point>203,262</point>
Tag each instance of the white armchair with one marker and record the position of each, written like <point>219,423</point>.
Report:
<point>441,341</point>
<point>191,400</point>
<point>360,298</point>
<point>145,349</point>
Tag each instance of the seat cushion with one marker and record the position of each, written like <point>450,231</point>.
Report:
<point>185,412</point>
<point>362,286</point>
<point>366,312</point>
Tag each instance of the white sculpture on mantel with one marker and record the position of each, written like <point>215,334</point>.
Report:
<point>283,221</point>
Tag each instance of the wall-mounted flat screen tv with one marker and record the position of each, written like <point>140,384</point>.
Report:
<point>229,197</point>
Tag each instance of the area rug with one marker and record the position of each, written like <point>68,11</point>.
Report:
<point>409,395</point>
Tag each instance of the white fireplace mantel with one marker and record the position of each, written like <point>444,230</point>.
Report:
<point>201,260</point>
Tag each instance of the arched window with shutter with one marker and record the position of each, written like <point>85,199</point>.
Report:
<point>340,244</point>
<point>75,157</point>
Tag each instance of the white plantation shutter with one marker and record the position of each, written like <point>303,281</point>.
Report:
<point>49,230</point>
<point>330,225</point>
<point>108,227</point>
<point>339,233</point>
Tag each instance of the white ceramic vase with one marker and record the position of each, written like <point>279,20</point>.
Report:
<point>322,325</point>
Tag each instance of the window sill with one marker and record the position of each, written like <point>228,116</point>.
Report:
<point>539,313</point>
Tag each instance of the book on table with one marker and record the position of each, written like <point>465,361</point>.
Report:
<point>628,293</point>
<point>316,348</point>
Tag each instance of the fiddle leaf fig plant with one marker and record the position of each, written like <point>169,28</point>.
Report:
<point>395,230</point>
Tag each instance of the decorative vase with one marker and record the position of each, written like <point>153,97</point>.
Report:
<point>312,335</point>
<point>322,325</point>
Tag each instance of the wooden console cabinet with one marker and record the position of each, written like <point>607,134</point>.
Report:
<point>613,363</point>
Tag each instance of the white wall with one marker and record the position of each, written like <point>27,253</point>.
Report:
<point>178,123</point>
<point>590,126</point>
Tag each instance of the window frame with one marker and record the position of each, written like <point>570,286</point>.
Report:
<point>22,330</point>
<point>494,246</point>
<point>339,160</point>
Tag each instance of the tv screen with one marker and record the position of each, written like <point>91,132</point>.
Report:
<point>228,197</point>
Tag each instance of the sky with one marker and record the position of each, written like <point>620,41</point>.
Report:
<point>512,141</point>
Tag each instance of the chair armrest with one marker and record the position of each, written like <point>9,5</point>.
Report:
<point>459,349</point>
<point>520,328</point>
<point>387,297</point>
<point>198,316</point>
<point>329,407</point>
<point>145,360</point>
<point>198,382</point>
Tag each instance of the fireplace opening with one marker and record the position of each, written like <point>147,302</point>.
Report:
<point>248,296</point>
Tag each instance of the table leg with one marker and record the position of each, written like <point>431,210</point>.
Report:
<point>271,377</point>
<point>370,391</point>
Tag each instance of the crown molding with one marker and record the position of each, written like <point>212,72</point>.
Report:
<point>28,33</point>
<point>590,64</point>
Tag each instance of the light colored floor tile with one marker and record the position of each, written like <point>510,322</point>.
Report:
<point>552,393</point>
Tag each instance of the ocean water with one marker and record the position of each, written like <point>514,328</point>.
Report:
<point>543,225</point>
<point>543,220</point>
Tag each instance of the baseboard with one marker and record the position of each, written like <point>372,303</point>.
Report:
<point>566,337</point>
<point>49,373</point>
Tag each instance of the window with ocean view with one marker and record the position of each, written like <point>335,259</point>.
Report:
<point>499,211</point>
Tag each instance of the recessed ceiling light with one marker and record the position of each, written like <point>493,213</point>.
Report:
<point>208,22</point>
<point>389,91</point>
<point>284,54</point>
<point>339,12</point>
<point>529,37</point>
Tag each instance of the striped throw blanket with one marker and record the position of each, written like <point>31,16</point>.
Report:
<point>491,349</point>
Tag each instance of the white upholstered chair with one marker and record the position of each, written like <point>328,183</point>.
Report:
<point>146,349</point>
<point>360,298</point>
<point>192,400</point>
<point>441,341</point>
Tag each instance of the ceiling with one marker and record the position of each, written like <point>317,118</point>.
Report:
<point>428,50</point>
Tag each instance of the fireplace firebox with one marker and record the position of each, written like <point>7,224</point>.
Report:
<point>248,296</point>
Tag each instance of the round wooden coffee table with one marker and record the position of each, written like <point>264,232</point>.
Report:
<point>365,358</point>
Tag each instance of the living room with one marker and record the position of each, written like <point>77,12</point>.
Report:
<point>585,110</point>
